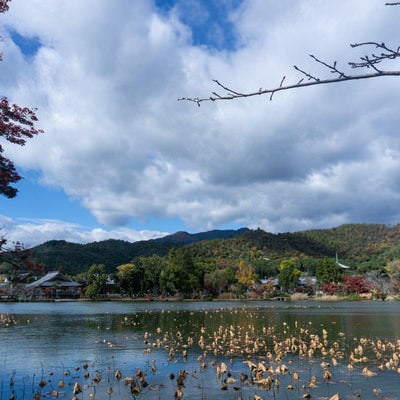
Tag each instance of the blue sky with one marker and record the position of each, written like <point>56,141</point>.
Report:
<point>122,158</point>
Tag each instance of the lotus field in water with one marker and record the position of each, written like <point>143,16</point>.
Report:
<point>200,350</point>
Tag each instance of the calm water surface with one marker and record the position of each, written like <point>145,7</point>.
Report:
<point>45,348</point>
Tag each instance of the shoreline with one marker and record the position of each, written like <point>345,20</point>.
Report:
<point>292,298</point>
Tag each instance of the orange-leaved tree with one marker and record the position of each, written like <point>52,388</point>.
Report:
<point>17,124</point>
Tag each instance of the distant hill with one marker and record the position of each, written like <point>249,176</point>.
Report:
<point>362,246</point>
<point>74,258</point>
<point>187,238</point>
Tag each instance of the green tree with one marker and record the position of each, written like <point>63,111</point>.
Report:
<point>327,271</point>
<point>218,281</point>
<point>129,279</point>
<point>170,279</point>
<point>289,274</point>
<point>180,274</point>
<point>151,268</point>
<point>97,279</point>
<point>309,266</point>
<point>203,266</point>
<point>265,268</point>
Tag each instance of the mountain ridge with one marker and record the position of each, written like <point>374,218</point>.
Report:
<point>185,237</point>
<point>362,246</point>
<point>72,257</point>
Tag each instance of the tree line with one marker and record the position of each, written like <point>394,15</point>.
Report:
<point>181,275</point>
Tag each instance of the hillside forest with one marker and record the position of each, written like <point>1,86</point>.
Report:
<point>227,264</point>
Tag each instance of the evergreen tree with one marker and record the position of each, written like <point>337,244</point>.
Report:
<point>327,271</point>
<point>289,274</point>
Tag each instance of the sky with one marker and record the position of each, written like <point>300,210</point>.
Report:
<point>122,158</point>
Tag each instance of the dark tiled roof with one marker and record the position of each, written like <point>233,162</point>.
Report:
<point>55,278</point>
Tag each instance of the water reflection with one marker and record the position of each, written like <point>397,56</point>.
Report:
<point>52,342</point>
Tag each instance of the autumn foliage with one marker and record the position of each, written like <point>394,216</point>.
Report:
<point>356,284</point>
<point>4,5</point>
<point>17,124</point>
<point>331,288</point>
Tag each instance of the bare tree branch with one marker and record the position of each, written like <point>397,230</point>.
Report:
<point>373,59</point>
<point>231,94</point>
<point>367,62</point>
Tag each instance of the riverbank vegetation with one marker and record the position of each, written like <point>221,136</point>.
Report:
<point>235,264</point>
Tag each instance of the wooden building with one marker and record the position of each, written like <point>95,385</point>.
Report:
<point>54,285</point>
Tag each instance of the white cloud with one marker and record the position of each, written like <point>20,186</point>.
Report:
<point>106,82</point>
<point>35,232</point>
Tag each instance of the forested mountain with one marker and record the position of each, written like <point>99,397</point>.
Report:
<point>359,245</point>
<point>187,238</point>
<point>74,258</point>
<point>362,246</point>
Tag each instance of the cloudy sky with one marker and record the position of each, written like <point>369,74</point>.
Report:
<point>122,158</point>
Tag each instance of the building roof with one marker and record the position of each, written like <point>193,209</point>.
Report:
<point>54,278</point>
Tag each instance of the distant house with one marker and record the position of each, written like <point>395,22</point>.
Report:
<point>54,285</point>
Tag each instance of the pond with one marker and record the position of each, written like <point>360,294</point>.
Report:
<point>200,350</point>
